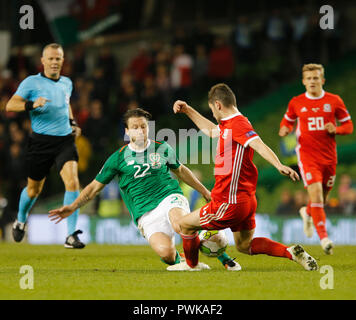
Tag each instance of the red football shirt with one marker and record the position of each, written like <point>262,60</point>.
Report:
<point>235,173</point>
<point>314,142</point>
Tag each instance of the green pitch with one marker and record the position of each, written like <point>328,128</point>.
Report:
<point>136,273</point>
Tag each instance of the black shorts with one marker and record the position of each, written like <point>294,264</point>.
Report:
<point>43,151</point>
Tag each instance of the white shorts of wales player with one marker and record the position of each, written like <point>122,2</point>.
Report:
<point>157,220</point>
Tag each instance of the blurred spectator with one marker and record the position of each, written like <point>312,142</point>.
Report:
<point>347,195</point>
<point>67,69</point>
<point>201,62</point>
<point>85,154</point>
<point>286,205</point>
<point>164,86</point>
<point>344,186</point>
<point>300,199</point>
<point>150,98</point>
<point>163,56</point>
<point>181,72</point>
<point>203,36</point>
<point>349,203</point>
<point>16,135</point>
<point>127,92</point>
<point>107,62</point>
<point>4,217</point>
<point>180,38</point>
<point>16,176</point>
<point>79,65</point>
<point>3,150</point>
<point>299,23</point>
<point>221,61</point>
<point>140,64</point>
<point>243,40</point>
<point>81,112</point>
<point>96,127</point>
<point>26,127</point>
<point>78,88</point>
<point>101,86</point>
<point>133,105</point>
<point>333,206</point>
<point>277,32</point>
<point>18,61</point>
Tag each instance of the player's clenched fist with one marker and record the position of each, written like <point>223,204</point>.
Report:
<point>76,131</point>
<point>39,102</point>
<point>180,107</point>
<point>284,131</point>
<point>330,128</point>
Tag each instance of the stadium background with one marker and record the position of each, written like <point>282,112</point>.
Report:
<point>124,54</point>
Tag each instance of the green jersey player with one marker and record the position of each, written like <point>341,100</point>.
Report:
<point>154,199</point>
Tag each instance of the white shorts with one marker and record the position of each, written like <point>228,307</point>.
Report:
<point>157,220</point>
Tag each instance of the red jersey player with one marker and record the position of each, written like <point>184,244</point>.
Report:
<point>233,202</point>
<point>316,112</point>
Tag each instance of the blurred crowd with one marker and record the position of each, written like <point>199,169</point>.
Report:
<point>344,203</point>
<point>254,56</point>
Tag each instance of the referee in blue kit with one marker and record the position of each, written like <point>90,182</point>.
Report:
<point>46,97</point>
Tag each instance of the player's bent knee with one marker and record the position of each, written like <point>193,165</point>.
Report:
<point>34,192</point>
<point>170,259</point>
<point>186,229</point>
<point>167,254</point>
<point>243,247</point>
<point>176,227</point>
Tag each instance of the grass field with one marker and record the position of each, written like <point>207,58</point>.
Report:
<point>135,273</point>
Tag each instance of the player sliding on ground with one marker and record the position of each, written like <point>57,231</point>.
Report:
<point>153,198</point>
<point>316,111</point>
<point>233,203</point>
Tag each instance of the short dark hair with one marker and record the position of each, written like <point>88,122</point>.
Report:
<point>136,113</point>
<point>223,93</point>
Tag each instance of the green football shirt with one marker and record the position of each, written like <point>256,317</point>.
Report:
<point>144,177</point>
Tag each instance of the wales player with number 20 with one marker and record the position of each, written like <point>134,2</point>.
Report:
<point>316,112</point>
<point>153,198</point>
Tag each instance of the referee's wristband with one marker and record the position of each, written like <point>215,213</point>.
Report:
<point>29,105</point>
<point>73,123</point>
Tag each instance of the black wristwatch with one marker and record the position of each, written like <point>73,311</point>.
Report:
<point>73,123</point>
<point>29,105</point>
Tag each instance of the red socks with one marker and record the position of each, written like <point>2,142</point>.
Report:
<point>319,219</point>
<point>269,247</point>
<point>309,209</point>
<point>191,245</point>
<point>317,212</point>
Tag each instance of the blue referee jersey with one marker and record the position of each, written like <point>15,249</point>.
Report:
<point>53,118</point>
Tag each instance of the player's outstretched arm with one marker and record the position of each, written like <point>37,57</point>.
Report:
<point>186,175</point>
<point>18,104</point>
<point>204,124</point>
<point>261,148</point>
<point>87,194</point>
